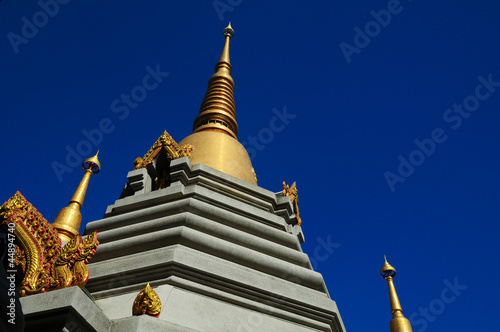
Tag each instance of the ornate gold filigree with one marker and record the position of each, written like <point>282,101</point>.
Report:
<point>293,194</point>
<point>166,142</point>
<point>61,274</point>
<point>80,271</point>
<point>32,234</point>
<point>39,253</point>
<point>20,258</point>
<point>147,302</point>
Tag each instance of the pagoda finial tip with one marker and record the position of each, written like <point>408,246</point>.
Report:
<point>92,164</point>
<point>387,270</point>
<point>228,31</point>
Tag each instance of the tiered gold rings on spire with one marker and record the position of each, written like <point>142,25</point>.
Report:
<point>218,110</point>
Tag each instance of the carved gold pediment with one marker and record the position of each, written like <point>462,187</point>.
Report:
<point>165,141</point>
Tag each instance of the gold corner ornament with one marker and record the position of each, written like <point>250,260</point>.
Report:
<point>39,254</point>
<point>147,302</point>
<point>399,323</point>
<point>169,145</point>
<point>293,194</point>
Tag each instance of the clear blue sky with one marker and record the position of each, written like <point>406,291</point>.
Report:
<point>374,86</point>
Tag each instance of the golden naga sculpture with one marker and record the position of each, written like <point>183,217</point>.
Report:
<point>46,264</point>
<point>80,271</point>
<point>147,302</point>
<point>293,193</point>
<point>170,146</point>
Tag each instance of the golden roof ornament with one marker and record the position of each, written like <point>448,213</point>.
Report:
<point>293,193</point>
<point>69,218</point>
<point>45,264</point>
<point>165,141</point>
<point>147,302</point>
<point>398,323</point>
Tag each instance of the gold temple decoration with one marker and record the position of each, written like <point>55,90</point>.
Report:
<point>147,302</point>
<point>215,129</point>
<point>69,218</point>
<point>398,323</point>
<point>171,150</point>
<point>170,146</point>
<point>46,264</point>
<point>293,193</point>
<point>80,271</point>
<point>218,110</point>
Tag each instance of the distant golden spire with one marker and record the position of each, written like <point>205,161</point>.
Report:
<point>398,323</point>
<point>68,220</point>
<point>218,111</point>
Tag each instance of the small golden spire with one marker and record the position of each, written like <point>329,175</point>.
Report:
<point>68,220</point>
<point>218,111</point>
<point>398,323</point>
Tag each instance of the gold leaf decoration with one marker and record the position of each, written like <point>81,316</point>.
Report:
<point>293,194</point>
<point>147,302</point>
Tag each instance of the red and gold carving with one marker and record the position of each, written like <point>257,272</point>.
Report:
<point>46,264</point>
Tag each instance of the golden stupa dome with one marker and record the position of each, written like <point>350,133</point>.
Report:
<point>222,152</point>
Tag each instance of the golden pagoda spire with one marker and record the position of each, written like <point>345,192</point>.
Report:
<point>218,111</point>
<point>68,220</point>
<point>214,139</point>
<point>398,323</point>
